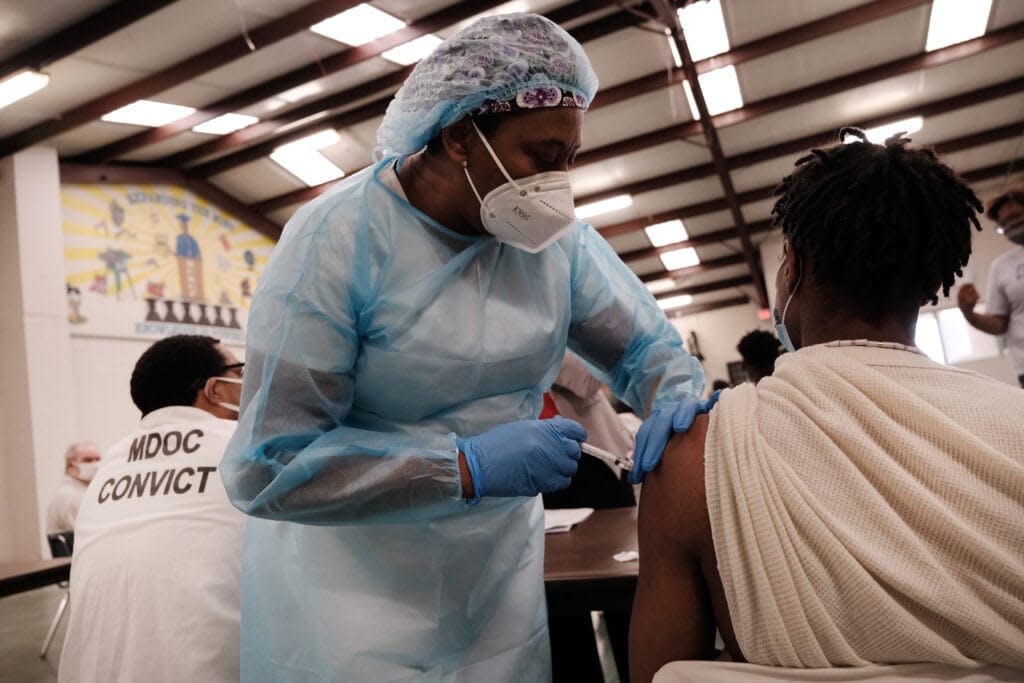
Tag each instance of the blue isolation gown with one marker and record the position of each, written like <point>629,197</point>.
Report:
<point>375,337</point>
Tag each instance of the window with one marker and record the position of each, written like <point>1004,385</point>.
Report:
<point>947,338</point>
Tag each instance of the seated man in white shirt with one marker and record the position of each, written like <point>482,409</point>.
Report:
<point>155,579</point>
<point>80,463</point>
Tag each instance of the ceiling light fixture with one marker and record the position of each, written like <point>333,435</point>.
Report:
<point>680,258</point>
<point>20,85</point>
<point>704,29</point>
<point>413,51</point>
<point>954,21</point>
<point>619,201</point>
<point>302,160</point>
<point>318,140</point>
<point>676,57</point>
<point>660,286</point>
<point>148,113</point>
<point>675,301</point>
<point>225,123</point>
<point>360,25</point>
<point>721,91</point>
<point>669,232</point>
<point>308,165</point>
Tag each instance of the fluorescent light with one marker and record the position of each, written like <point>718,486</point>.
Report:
<point>680,258</point>
<point>676,57</point>
<point>675,301</point>
<point>358,26</point>
<point>301,92</point>
<point>148,113</point>
<point>619,201</point>
<point>308,165</point>
<point>954,21</point>
<point>659,286</point>
<point>880,134</point>
<point>302,160</point>
<point>318,140</point>
<point>413,51</point>
<point>20,85</point>
<point>225,123</point>
<point>721,91</point>
<point>669,232</point>
<point>704,28</point>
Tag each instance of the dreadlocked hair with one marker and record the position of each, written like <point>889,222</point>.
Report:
<point>879,223</point>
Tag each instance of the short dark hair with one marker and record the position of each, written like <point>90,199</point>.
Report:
<point>759,350</point>
<point>882,225</point>
<point>719,384</point>
<point>173,370</point>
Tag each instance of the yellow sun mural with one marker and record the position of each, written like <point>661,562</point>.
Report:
<point>153,260</point>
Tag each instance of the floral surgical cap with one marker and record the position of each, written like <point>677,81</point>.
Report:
<point>496,64</point>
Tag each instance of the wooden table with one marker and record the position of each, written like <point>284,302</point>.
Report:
<point>17,577</point>
<point>579,571</point>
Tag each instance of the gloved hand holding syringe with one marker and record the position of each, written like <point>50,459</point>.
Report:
<point>624,462</point>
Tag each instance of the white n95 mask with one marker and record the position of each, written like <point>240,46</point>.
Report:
<point>87,470</point>
<point>529,213</point>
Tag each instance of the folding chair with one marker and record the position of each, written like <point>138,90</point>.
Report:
<point>61,545</point>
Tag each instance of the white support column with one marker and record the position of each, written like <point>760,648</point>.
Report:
<point>37,414</point>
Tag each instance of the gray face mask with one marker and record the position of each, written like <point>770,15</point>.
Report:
<point>1015,233</point>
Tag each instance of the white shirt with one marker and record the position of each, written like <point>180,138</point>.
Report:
<point>155,574</point>
<point>1006,297</point>
<point>63,508</point>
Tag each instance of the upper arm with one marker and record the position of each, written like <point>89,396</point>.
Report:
<point>617,327</point>
<point>997,303</point>
<point>672,613</point>
<point>303,339</point>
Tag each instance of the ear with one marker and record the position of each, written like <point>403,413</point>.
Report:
<point>455,139</point>
<point>792,266</point>
<point>212,390</point>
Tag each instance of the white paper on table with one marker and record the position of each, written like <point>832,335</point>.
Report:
<point>560,521</point>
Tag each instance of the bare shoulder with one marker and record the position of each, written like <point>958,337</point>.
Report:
<point>674,491</point>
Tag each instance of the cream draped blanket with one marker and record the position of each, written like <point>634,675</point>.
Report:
<point>867,505</point>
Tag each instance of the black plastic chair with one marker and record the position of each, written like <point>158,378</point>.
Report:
<point>62,544</point>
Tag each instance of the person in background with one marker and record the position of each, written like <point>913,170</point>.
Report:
<point>759,349</point>
<point>1004,301</point>
<point>155,579</point>
<point>80,463</point>
<point>399,344</point>
<point>578,395</point>
<point>863,505</point>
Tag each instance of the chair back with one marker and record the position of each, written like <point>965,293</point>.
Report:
<point>62,543</point>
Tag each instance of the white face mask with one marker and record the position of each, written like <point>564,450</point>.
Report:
<point>529,213</point>
<point>87,470</point>
<point>224,404</point>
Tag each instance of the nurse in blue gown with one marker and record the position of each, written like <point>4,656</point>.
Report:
<point>400,341</point>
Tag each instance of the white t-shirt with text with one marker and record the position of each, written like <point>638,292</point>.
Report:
<point>156,567</point>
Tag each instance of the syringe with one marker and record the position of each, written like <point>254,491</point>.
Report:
<point>625,463</point>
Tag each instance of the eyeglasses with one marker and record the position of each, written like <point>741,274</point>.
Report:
<point>239,366</point>
<point>231,366</point>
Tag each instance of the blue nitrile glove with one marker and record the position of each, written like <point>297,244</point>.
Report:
<point>664,421</point>
<point>523,458</point>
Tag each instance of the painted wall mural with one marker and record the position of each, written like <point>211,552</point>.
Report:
<point>153,260</point>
